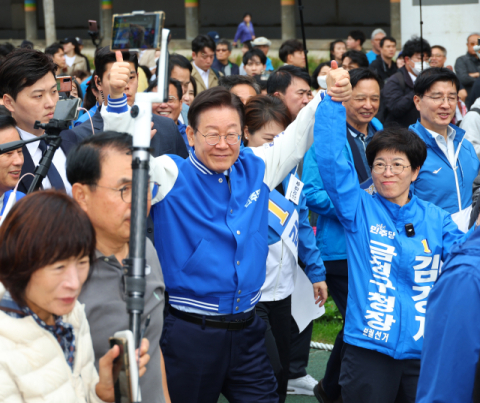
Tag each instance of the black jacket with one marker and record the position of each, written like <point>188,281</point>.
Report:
<point>380,67</point>
<point>397,97</point>
<point>69,140</point>
<point>467,64</point>
<point>167,140</point>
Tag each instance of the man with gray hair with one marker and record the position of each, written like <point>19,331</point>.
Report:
<point>377,35</point>
<point>467,66</point>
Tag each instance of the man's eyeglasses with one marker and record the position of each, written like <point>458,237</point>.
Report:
<point>396,168</point>
<point>126,191</point>
<point>213,139</point>
<point>440,100</point>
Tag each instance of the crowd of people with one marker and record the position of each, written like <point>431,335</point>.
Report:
<point>379,151</point>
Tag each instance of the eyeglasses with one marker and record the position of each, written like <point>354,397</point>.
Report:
<point>396,168</point>
<point>171,99</point>
<point>440,100</point>
<point>126,191</point>
<point>214,139</point>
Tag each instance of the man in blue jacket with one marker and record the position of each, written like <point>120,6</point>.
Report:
<point>452,165</point>
<point>451,348</point>
<point>361,126</point>
<point>211,213</point>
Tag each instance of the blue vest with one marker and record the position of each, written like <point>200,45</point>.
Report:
<point>212,241</point>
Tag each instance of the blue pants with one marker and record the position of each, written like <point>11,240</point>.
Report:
<point>202,362</point>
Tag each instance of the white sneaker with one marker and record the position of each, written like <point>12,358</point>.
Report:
<point>301,386</point>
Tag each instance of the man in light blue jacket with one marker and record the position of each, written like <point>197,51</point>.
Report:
<point>361,127</point>
<point>452,165</point>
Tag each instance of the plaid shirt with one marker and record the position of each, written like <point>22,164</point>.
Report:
<point>63,332</point>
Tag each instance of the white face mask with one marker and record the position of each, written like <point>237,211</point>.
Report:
<point>418,67</point>
<point>322,82</point>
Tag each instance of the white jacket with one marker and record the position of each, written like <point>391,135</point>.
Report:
<point>471,125</point>
<point>33,367</point>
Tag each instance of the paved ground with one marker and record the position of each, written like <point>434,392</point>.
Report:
<point>316,368</point>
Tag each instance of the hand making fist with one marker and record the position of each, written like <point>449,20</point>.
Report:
<point>338,83</point>
<point>119,76</point>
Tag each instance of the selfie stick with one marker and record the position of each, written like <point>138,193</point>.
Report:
<point>300,8</point>
<point>136,262</point>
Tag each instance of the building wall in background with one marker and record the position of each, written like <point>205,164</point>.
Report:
<point>445,22</point>
<point>324,19</point>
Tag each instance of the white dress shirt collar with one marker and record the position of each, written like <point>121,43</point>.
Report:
<point>204,74</point>
<point>447,146</point>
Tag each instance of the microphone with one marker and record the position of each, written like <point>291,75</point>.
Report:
<point>409,230</point>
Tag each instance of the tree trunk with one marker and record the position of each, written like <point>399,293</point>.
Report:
<point>49,13</point>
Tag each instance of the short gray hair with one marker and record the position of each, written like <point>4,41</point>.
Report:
<point>475,33</point>
<point>378,31</point>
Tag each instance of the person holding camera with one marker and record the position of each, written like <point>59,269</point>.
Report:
<point>29,91</point>
<point>46,350</point>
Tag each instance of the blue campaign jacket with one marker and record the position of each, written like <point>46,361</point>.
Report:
<point>330,233</point>
<point>223,219</point>
<point>390,274</point>
<point>307,249</point>
<point>452,329</point>
<point>19,195</point>
<point>436,181</point>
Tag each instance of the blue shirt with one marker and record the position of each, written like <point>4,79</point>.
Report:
<point>269,65</point>
<point>362,142</point>
<point>371,56</point>
<point>244,32</point>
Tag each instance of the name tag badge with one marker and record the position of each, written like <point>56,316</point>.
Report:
<point>294,190</point>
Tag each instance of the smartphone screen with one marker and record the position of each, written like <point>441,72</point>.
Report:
<point>92,26</point>
<point>121,376</point>
<point>67,109</point>
<point>136,31</point>
<point>64,84</point>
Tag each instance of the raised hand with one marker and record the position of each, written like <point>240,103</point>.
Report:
<point>119,76</point>
<point>338,83</point>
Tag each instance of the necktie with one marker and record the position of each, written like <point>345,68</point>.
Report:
<point>53,175</point>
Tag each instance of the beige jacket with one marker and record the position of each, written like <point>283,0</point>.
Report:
<point>33,367</point>
<point>212,79</point>
<point>78,64</point>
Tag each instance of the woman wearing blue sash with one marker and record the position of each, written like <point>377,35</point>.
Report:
<point>395,245</point>
<point>290,237</point>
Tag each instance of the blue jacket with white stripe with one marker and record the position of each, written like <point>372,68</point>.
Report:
<point>211,234</point>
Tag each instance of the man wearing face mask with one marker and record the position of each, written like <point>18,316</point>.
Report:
<point>397,95</point>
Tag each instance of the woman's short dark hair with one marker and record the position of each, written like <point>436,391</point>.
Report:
<point>262,109</point>
<point>400,140</point>
<point>22,68</point>
<point>41,229</point>
<point>254,52</point>
<point>332,47</point>
<point>430,76</point>
<point>316,72</point>
<point>216,97</point>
